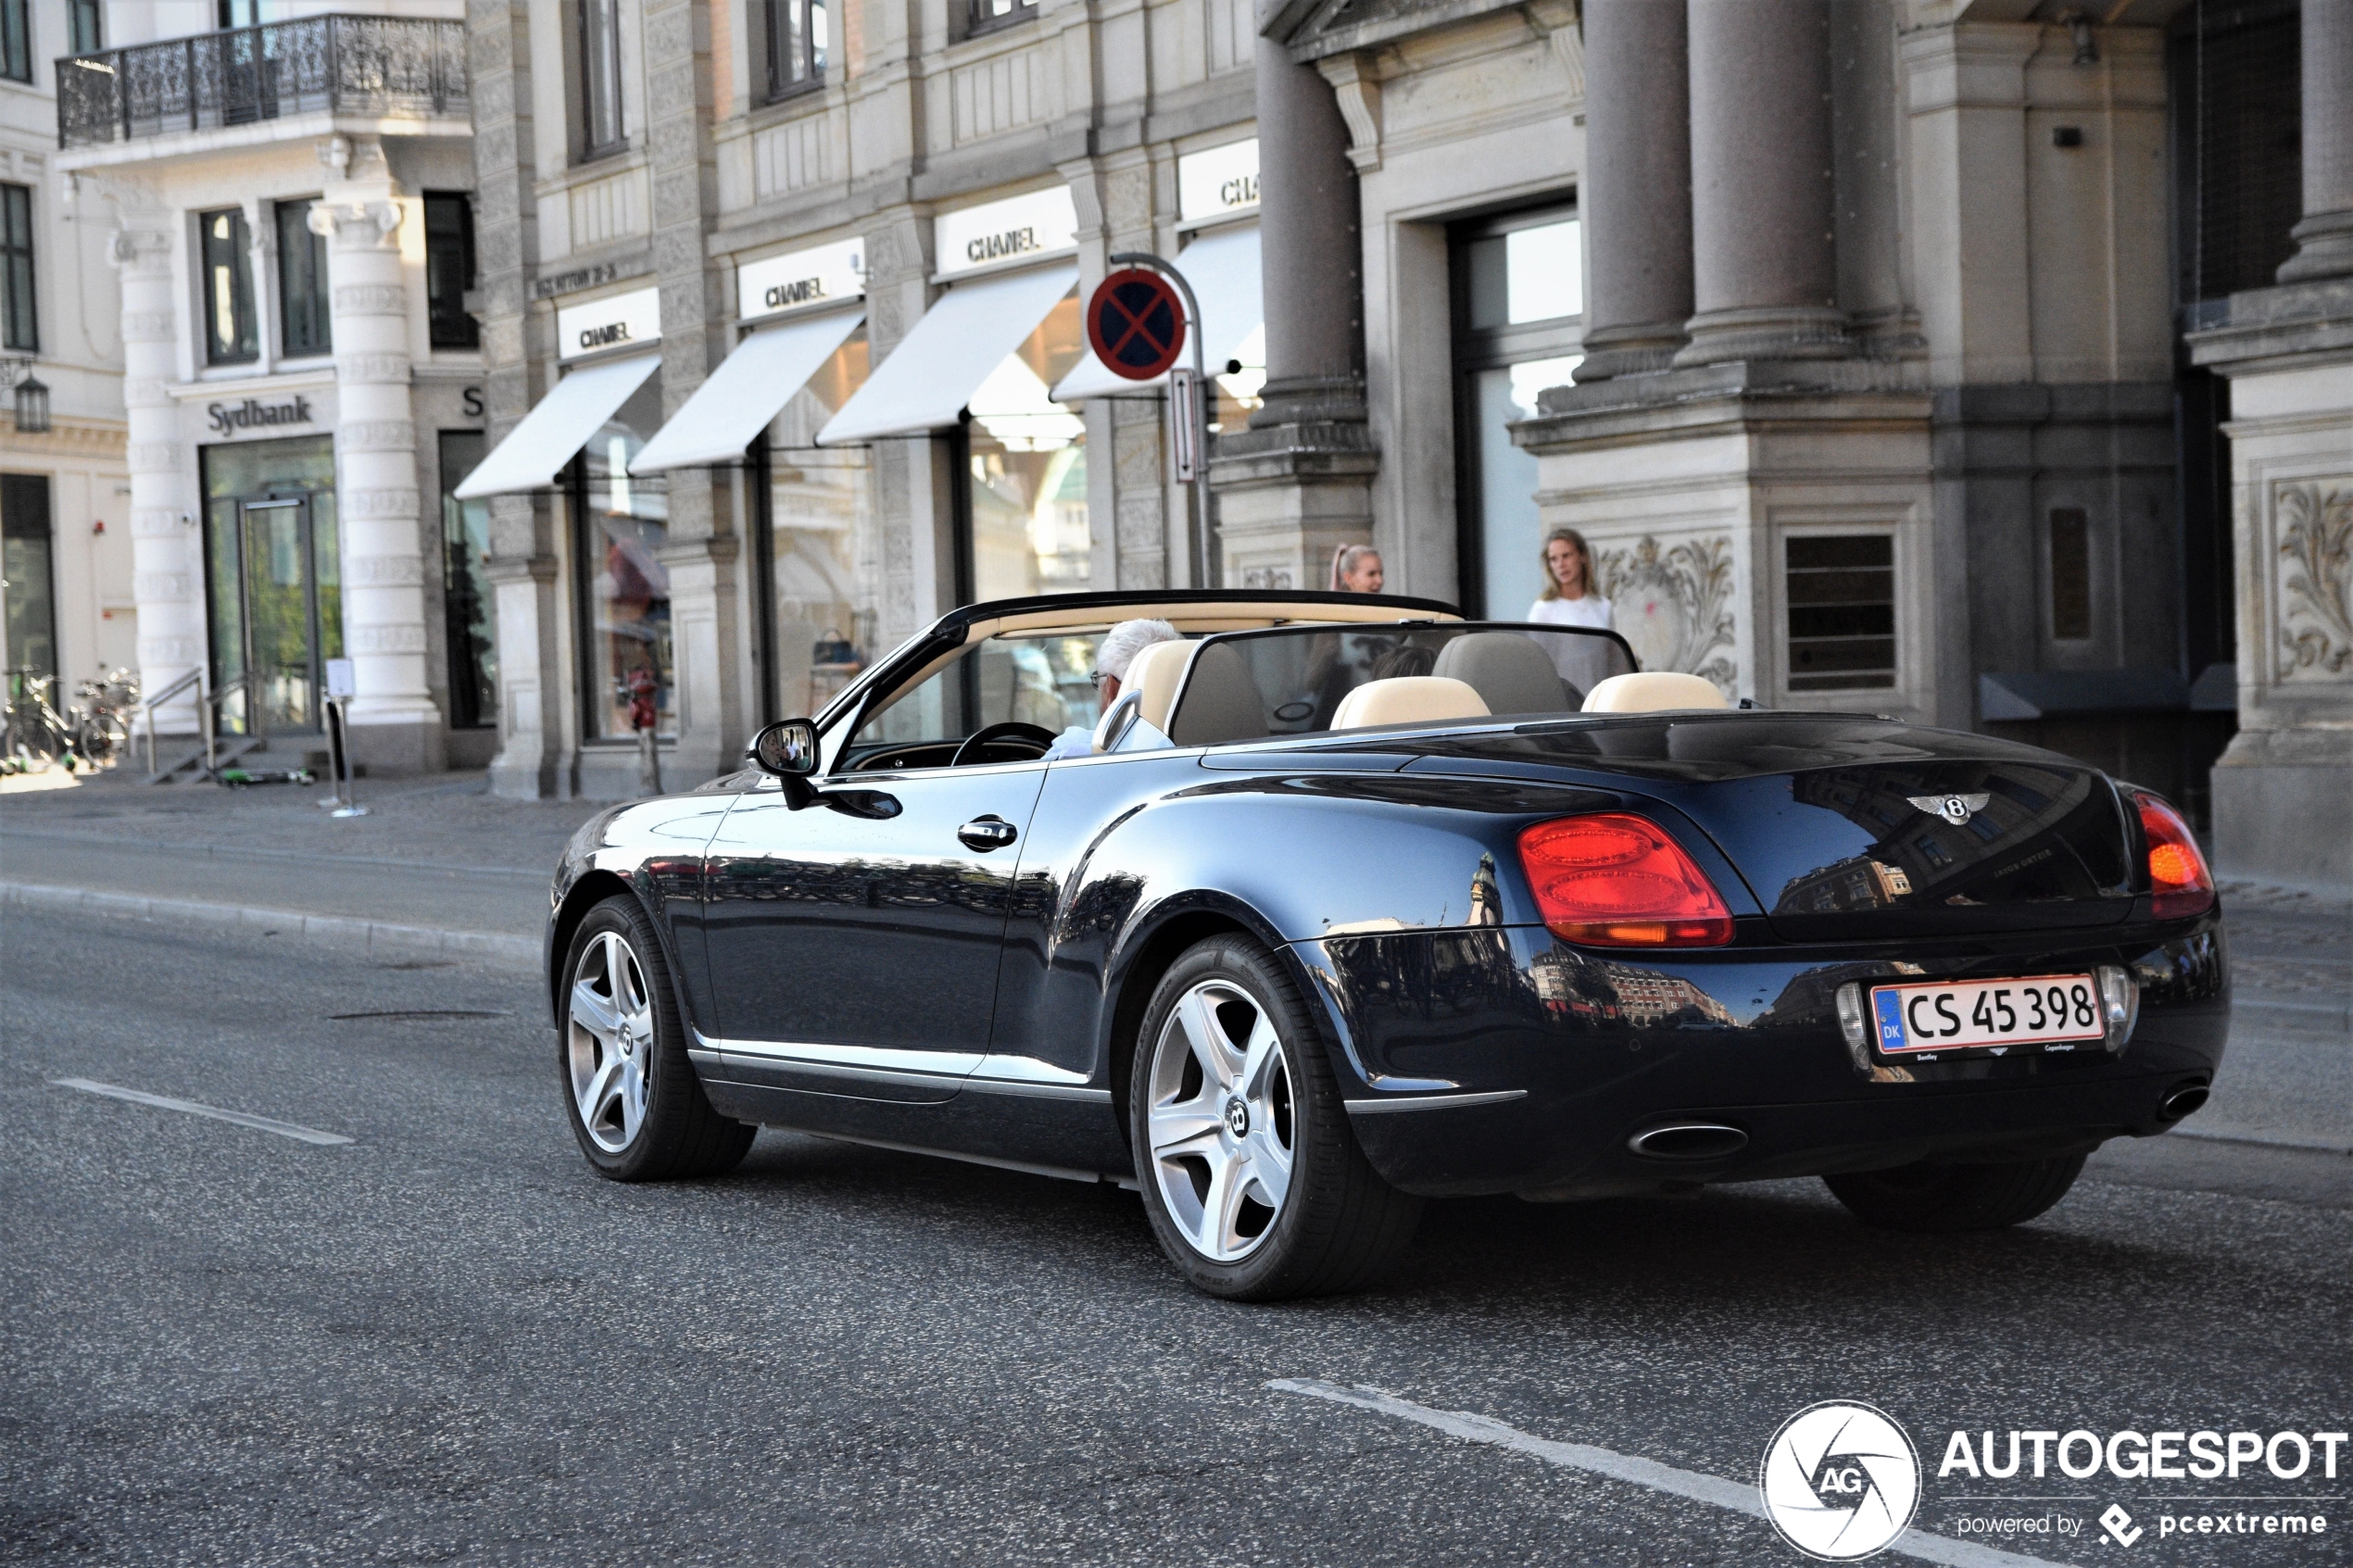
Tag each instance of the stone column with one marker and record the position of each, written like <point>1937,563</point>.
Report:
<point>1636,194</point>
<point>1299,481</point>
<point>1764,259</point>
<point>166,535</point>
<point>2324,240</point>
<point>394,725</point>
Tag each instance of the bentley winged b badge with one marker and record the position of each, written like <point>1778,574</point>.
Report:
<point>1954,808</point>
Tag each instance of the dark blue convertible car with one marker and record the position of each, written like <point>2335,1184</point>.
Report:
<point>1344,902</point>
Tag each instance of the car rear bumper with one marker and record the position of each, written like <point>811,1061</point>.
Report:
<point>1597,1049</point>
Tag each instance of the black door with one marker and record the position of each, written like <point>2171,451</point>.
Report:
<point>854,952</point>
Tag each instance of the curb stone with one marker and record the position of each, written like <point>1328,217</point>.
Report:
<point>371,938</point>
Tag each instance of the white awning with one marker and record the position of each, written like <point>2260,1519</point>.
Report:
<point>1222,268</point>
<point>737,399</point>
<point>935,368</point>
<point>536,450</point>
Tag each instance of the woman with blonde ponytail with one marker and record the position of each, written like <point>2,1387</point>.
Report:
<point>1357,569</point>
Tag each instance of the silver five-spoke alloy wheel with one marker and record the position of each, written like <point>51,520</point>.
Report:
<point>610,1042</point>
<point>1220,1121</point>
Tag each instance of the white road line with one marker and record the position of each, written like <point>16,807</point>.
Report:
<point>165,1102</point>
<point>1692,1483</point>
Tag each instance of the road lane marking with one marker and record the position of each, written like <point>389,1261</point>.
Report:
<point>1711,1489</point>
<point>165,1102</point>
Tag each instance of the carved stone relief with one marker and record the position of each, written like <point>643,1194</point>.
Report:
<point>2315,533</point>
<point>1673,606</point>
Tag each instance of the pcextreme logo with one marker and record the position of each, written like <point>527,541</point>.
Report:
<point>1840,1481</point>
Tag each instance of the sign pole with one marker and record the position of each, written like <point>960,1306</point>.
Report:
<point>1198,414</point>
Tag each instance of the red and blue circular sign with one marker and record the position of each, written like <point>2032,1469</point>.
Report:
<point>1136,323</point>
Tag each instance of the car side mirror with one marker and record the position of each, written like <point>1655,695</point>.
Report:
<point>788,751</point>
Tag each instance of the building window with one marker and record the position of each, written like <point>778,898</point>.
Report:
<point>982,15</point>
<point>600,122</point>
<point>1519,317</point>
<point>465,598</point>
<point>248,13</point>
<point>2071,575</point>
<point>1841,594</point>
<point>32,625</point>
<point>228,288</point>
<point>449,268</point>
<point>621,522</point>
<point>795,45</point>
<point>85,26</point>
<point>817,537</point>
<point>302,294</point>
<point>20,317</point>
<point>16,41</point>
<point>1026,529</point>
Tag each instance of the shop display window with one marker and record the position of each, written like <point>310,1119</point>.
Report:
<point>621,522</point>
<point>1028,527</point>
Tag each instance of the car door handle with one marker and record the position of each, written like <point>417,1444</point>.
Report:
<point>986,833</point>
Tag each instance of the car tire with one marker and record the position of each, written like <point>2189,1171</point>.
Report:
<point>1941,1198</point>
<point>1300,1210</point>
<point>632,1096</point>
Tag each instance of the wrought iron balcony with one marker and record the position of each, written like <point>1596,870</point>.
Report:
<point>240,75</point>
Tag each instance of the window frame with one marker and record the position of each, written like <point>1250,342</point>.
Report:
<point>589,44</point>
<point>85,26</point>
<point>15,40</point>
<point>774,17</point>
<point>320,297</point>
<point>243,318</point>
<point>1870,689</point>
<point>19,272</point>
<point>1477,350</point>
<point>447,322</point>
<point>978,21</point>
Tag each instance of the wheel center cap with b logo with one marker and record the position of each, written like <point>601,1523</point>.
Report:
<point>1238,1117</point>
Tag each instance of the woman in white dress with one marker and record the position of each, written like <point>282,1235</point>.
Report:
<point>1568,599</point>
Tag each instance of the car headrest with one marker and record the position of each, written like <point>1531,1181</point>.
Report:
<point>1221,700</point>
<point>1155,672</point>
<point>1653,690</point>
<point>1510,673</point>
<point>1407,700</point>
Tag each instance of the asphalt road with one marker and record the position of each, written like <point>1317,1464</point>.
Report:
<point>447,1341</point>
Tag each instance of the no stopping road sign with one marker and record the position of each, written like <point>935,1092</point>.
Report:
<point>1136,323</point>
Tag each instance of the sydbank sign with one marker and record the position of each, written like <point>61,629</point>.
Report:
<point>620,321</point>
<point>802,280</point>
<point>1001,234</point>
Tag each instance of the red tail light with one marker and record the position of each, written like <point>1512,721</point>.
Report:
<point>1613,880</point>
<point>2178,876</point>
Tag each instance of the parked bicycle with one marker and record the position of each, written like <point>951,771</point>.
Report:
<point>102,719</point>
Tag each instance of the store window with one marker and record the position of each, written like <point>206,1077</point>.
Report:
<point>796,42</point>
<point>1519,317</point>
<point>621,522</point>
<point>449,270</point>
<point>15,40</point>
<point>471,611</point>
<point>227,245</point>
<point>1026,529</point>
<point>1840,590</point>
<point>19,315</point>
<point>85,26</point>
<point>32,625</point>
<point>304,297</point>
<point>821,545</point>
<point>600,44</point>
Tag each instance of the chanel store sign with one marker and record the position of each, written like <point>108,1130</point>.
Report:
<point>618,321</point>
<point>1222,180</point>
<point>1017,229</point>
<point>805,279</point>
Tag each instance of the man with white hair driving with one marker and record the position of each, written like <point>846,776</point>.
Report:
<point>1112,655</point>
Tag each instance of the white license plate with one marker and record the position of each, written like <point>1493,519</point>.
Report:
<point>2053,1011</point>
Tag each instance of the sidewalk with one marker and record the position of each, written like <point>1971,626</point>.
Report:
<point>440,866</point>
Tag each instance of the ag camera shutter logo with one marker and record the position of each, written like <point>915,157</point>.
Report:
<point>1840,1481</point>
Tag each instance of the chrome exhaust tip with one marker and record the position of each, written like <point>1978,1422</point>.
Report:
<point>2180,1101</point>
<point>1688,1140</point>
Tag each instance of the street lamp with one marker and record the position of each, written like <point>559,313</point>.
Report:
<point>31,397</point>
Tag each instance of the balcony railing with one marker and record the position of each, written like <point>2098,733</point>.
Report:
<point>242,76</point>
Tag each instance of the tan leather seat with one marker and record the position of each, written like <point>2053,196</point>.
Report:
<point>1221,701</point>
<point>1407,700</point>
<point>1653,691</point>
<point>1155,672</point>
<point>1510,673</point>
